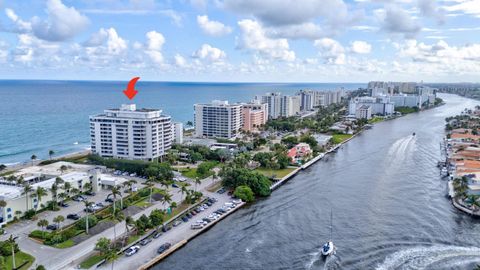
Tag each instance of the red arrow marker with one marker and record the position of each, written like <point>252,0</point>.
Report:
<point>130,92</point>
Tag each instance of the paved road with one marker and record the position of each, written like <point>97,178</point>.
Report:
<point>175,235</point>
<point>69,258</point>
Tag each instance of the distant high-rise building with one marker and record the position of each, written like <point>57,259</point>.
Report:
<point>131,133</point>
<point>218,119</point>
<point>273,101</point>
<point>178,132</point>
<point>290,106</point>
<point>254,115</point>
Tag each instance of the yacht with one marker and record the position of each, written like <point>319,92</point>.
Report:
<point>329,248</point>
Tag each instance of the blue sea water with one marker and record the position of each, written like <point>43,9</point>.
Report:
<point>36,116</point>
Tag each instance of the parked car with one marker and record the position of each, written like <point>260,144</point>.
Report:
<point>132,250</point>
<point>237,201</point>
<point>157,235</point>
<point>221,191</point>
<point>110,200</point>
<point>73,216</point>
<point>184,219</point>
<point>145,241</point>
<point>196,226</point>
<point>163,248</point>
<point>206,220</point>
<point>166,228</point>
<point>63,204</point>
<point>174,185</point>
<point>189,215</point>
<point>78,198</point>
<point>176,223</point>
<point>52,227</point>
<point>193,213</point>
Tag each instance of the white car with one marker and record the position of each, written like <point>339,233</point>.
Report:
<point>132,250</point>
<point>237,201</point>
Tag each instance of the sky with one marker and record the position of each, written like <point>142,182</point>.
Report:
<point>241,40</point>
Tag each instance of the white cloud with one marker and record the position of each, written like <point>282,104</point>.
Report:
<point>471,7</point>
<point>180,61</point>
<point>331,50</point>
<point>254,38</point>
<point>154,46</point>
<point>20,25</point>
<point>35,52</point>
<point>440,52</point>
<point>212,28</point>
<point>210,53</point>
<point>298,31</point>
<point>361,47</point>
<point>396,20</point>
<point>104,48</point>
<point>62,23</point>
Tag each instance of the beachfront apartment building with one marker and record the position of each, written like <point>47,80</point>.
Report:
<point>364,112</point>
<point>280,105</point>
<point>131,133</point>
<point>254,115</point>
<point>178,132</point>
<point>218,119</point>
<point>310,99</point>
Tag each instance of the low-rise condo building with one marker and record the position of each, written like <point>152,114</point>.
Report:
<point>131,133</point>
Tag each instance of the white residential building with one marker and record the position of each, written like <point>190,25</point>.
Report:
<point>290,106</point>
<point>131,133</point>
<point>379,105</point>
<point>218,119</point>
<point>273,101</point>
<point>364,112</point>
<point>178,132</point>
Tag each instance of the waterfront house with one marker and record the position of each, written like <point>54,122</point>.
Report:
<point>299,153</point>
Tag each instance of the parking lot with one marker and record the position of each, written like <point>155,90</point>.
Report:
<point>178,233</point>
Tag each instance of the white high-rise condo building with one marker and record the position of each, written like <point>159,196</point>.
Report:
<point>218,119</point>
<point>273,101</point>
<point>131,133</point>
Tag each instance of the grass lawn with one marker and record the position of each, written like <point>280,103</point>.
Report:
<point>66,244</point>
<point>339,138</point>
<point>20,258</point>
<point>91,261</point>
<point>278,173</point>
<point>176,211</point>
<point>132,239</point>
<point>143,203</point>
<point>375,120</point>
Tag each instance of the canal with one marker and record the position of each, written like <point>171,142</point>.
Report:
<point>389,210</point>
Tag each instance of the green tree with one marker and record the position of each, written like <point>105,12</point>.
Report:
<point>244,193</point>
<point>58,220</point>
<point>39,193</point>
<point>111,256</point>
<point>51,153</point>
<point>42,224</point>
<point>117,217</point>
<point>2,167</point>
<point>234,177</point>
<point>27,188</point>
<point>63,169</point>
<point>103,245</point>
<point>33,158</point>
<point>40,267</point>
<point>156,217</point>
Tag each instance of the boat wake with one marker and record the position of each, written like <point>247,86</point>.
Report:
<point>425,257</point>
<point>330,263</point>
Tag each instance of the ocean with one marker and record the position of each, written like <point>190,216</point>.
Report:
<point>38,116</point>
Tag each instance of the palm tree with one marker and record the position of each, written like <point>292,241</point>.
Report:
<point>111,255</point>
<point>118,216</point>
<point>33,158</point>
<point>26,189</point>
<point>50,153</point>
<point>115,192</point>
<point>74,192</point>
<point>59,180</point>
<point>150,182</point>
<point>54,191</point>
<point>58,220</point>
<point>87,204</point>
<point>20,180</point>
<point>63,169</point>
<point>197,181</point>
<point>11,241</point>
<point>11,179</point>
<point>42,224</point>
<point>62,196</point>
<point>88,186</point>
<point>67,186</point>
<point>183,190</point>
<point>39,193</point>
<point>189,124</point>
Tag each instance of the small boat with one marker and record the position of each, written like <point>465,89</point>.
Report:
<point>413,134</point>
<point>329,248</point>
<point>75,143</point>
